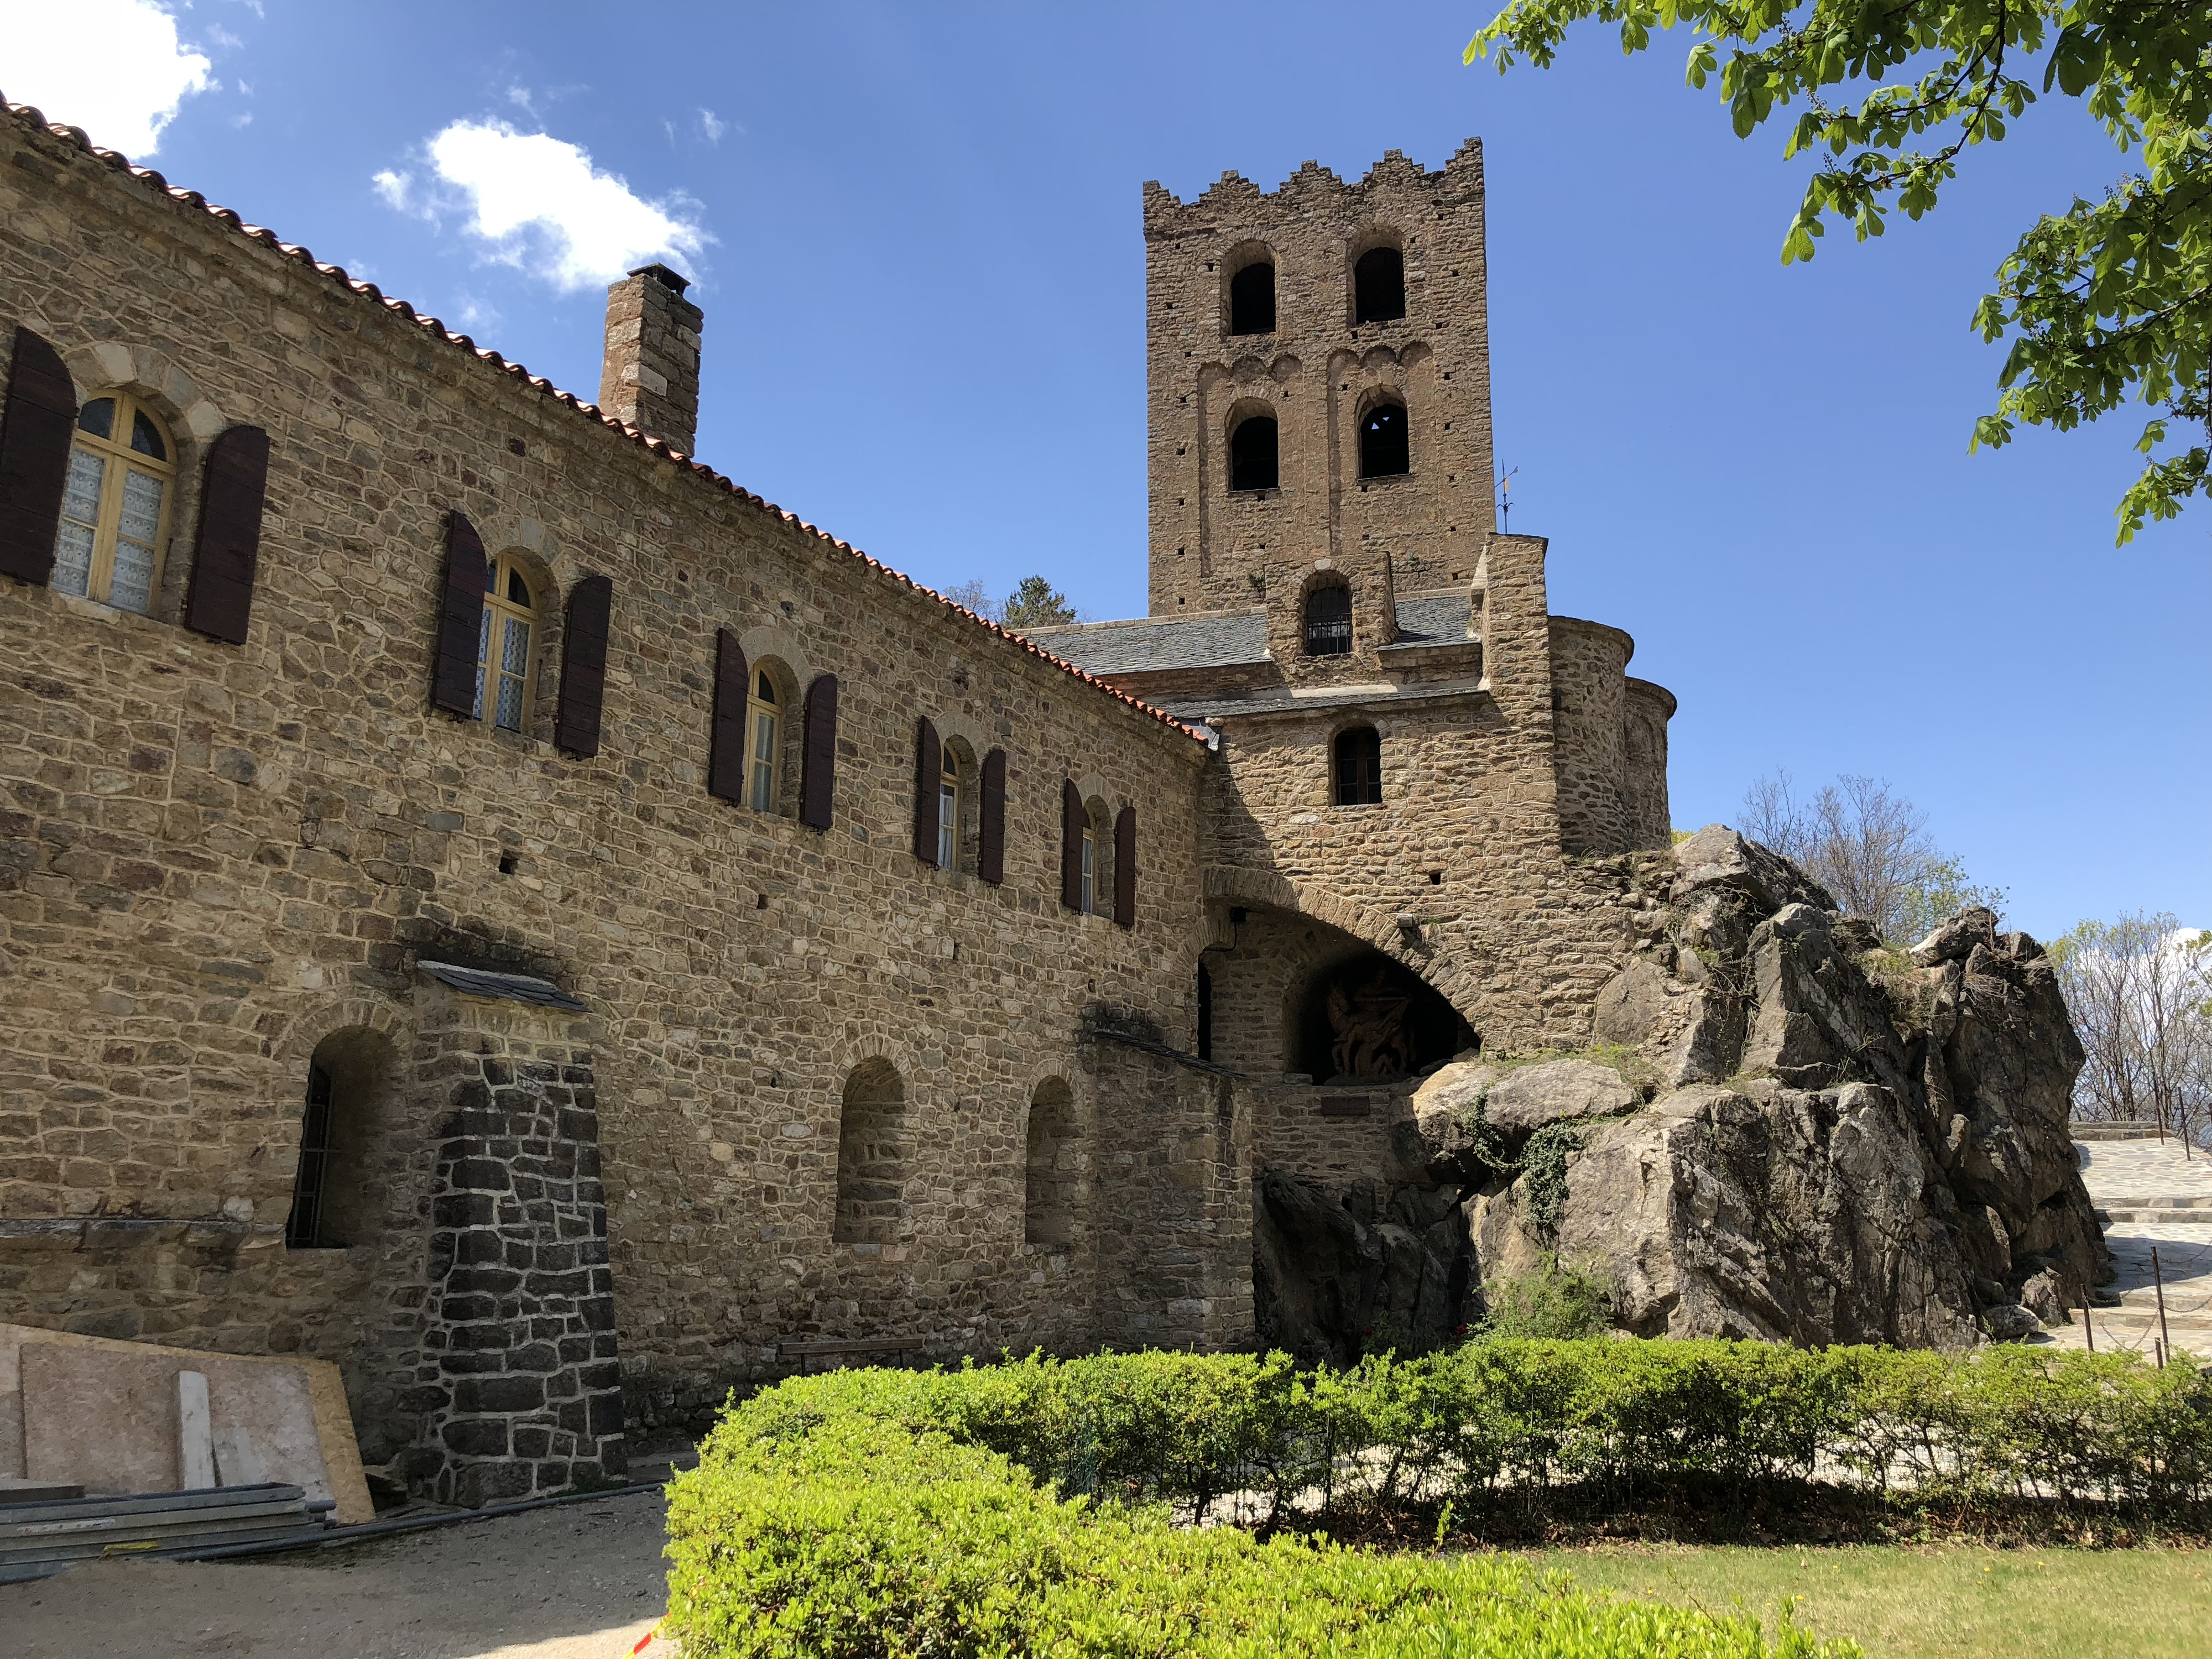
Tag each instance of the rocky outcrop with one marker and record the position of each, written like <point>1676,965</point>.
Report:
<point>1815,1140</point>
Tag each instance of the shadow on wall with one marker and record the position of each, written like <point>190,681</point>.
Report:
<point>1366,1019</point>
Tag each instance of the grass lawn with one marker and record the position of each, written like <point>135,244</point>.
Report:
<point>1961,1601</point>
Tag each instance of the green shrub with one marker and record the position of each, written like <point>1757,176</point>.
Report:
<point>1560,1299</point>
<point>1026,1507</point>
<point>838,1529</point>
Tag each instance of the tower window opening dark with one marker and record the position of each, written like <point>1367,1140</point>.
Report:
<point>304,1229</point>
<point>1328,622</point>
<point>1252,299</point>
<point>1205,1013</point>
<point>1378,286</point>
<point>1358,767</point>
<point>1252,461</point>
<point>1384,449</point>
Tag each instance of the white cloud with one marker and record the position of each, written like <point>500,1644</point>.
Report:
<point>712,125</point>
<point>540,205</point>
<point>113,67</point>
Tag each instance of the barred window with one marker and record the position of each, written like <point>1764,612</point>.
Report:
<point>1328,622</point>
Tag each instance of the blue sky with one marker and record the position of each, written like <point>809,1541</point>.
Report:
<point>916,233</point>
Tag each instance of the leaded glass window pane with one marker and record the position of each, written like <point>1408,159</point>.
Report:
<point>513,663</point>
<point>79,522</point>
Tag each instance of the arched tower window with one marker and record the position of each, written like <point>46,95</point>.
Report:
<point>948,810</point>
<point>503,654</point>
<point>1358,767</point>
<point>760,752</point>
<point>337,1191</point>
<point>1385,450</point>
<point>872,1153</point>
<point>1328,621</point>
<point>115,505</point>
<point>1048,1199</point>
<point>1252,299</point>
<point>1252,455</point>
<point>1378,286</point>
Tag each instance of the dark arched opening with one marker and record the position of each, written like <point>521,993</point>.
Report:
<point>1252,461</point>
<point>1385,450</point>
<point>1358,767</point>
<point>1252,299</point>
<point>337,1190</point>
<point>1368,1020</point>
<point>1328,622</point>
<point>1205,1013</point>
<point>1378,285</point>
<point>871,1156</point>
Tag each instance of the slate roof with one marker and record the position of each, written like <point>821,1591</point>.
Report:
<point>505,988</point>
<point>31,116</point>
<point>1151,644</point>
<point>1434,619</point>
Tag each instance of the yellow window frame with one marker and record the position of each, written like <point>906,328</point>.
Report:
<point>492,665</point>
<point>121,460</point>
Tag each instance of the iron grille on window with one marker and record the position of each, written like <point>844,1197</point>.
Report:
<point>1328,622</point>
<point>302,1231</point>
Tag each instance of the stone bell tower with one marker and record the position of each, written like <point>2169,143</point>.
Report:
<point>1318,387</point>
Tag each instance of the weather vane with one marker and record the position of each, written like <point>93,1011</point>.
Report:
<point>1505,501</point>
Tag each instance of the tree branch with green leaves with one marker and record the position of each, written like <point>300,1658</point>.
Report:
<point>2105,303</point>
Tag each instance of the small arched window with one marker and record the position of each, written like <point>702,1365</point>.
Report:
<point>1328,622</point>
<point>761,744</point>
<point>510,615</point>
<point>1358,767</point>
<point>1054,1186</point>
<point>1378,286</point>
<point>1385,450</point>
<point>948,811</point>
<point>1252,455</point>
<point>115,505</point>
<point>1091,865</point>
<point>1252,299</point>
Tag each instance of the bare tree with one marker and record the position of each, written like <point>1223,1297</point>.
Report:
<point>2140,990</point>
<point>1867,846</point>
<point>975,597</point>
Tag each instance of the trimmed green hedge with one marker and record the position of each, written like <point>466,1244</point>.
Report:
<point>901,1512</point>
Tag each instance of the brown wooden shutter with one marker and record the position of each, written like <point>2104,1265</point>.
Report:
<point>460,620</point>
<point>220,601</point>
<point>1070,844</point>
<point>991,855</point>
<point>817,776</point>
<point>928,774</point>
<point>725,763</point>
<point>584,665</point>
<point>34,454</point>
<point>1125,866</point>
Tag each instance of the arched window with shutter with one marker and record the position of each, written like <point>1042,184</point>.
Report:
<point>115,504</point>
<point>505,674</point>
<point>763,726</point>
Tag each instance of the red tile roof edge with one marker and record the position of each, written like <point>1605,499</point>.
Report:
<point>31,115</point>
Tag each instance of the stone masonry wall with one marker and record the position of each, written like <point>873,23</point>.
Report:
<point>211,857</point>
<point>518,1388</point>
<point>1217,549</point>
<point>1589,692</point>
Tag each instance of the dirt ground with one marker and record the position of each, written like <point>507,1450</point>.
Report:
<point>580,1581</point>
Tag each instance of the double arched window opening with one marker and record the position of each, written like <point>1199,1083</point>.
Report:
<point>115,505</point>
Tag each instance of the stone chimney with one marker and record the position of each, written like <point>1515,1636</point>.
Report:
<point>651,374</point>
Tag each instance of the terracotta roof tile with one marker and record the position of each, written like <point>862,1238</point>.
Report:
<point>31,116</point>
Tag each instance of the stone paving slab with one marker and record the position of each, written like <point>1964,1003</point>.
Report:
<point>2185,1260</point>
<point>2144,1174</point>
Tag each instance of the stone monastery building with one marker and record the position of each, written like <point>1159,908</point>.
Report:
<point>487,901</point>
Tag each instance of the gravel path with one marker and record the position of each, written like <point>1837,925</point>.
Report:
<point>583,1580</point>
